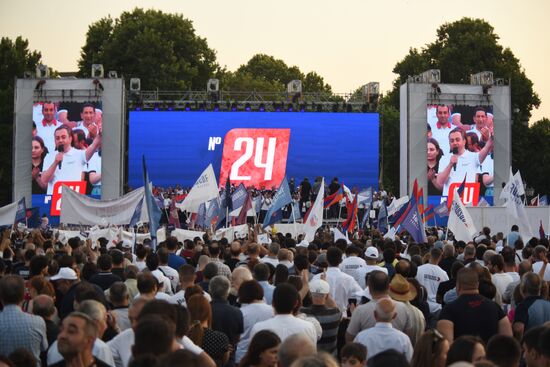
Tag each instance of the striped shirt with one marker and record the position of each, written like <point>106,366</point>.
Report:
<point>329,318</point>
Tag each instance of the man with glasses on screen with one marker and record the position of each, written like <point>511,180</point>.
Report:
<point>461,162</point>
<point>69,163</point>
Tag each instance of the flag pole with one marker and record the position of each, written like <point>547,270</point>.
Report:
<point>339,214</point>
<point>293,218</point>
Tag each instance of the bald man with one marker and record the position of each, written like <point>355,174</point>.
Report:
<point>383,336</point>
<point>44,306</point>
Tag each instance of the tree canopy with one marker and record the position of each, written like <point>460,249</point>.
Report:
<point>159,48</point>
<point>15,59</point>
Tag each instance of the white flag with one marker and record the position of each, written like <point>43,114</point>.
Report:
<point>339,235</point>
<point>515,206</point>
<point>204,189</point>
<point>460,221</point>
<point>315,217</point>
<point>7,214</point>
<point>396,204</point>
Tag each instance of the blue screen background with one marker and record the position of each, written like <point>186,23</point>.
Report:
<point>175,144</point>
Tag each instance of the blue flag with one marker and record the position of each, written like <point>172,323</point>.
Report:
<point>238,197</point>
<point>296,210</point>
<point>201,215</point>
<point>211,212</point>
<point>282,197</point>
<point>152,208</point>
<point>275,217</point>
<point>383,218</point>
<point>222,209</point>
<point>258,203</point>
<point>137,213</point>
<point>414,225</point>
<point>21,213</point>
<point>543,200</point>
<point>366,197</point>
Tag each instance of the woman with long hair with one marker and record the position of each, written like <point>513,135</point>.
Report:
<point>262,351</point>
<point>466,348</point>
<point>38,153</point>
<point>430,350</point>
<point>214,343</point>
<point>434,154</point>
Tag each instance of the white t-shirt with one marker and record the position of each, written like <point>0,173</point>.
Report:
<point>352,266</point>
<point>430,276</point>
<point>367,269</point>
<point>536,269</point>
<point>47,134</point>
<point>171,274</point>
<point>501,281</point>
<point>72,166</point>
<point>179,298</point>
<point>100,350</point>
<point>442,137</point>
<point>252,314</point>
<point>467,165</point>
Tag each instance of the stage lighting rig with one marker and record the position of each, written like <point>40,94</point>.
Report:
<point>112,74</point>
<point>97,71</point>
<point>42,71</point>
<point>213,89</point>
<point>294,90</point>
<point>135,85</point>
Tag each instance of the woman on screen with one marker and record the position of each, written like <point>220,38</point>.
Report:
<point>434,155</point>
<point>39,151</point>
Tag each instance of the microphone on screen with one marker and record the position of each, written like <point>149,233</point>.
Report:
<point>454,151</point>
<point>60,149</point>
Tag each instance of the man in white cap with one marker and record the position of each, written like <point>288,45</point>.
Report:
<point>325,311</point>
<point>66,281</point>
<point>372,258</point>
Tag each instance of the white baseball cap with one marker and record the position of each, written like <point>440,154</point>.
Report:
<point>372,253</point>
<point>319,286</point>
<point>65,273</point>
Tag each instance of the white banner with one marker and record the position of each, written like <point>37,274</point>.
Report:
<point>7,214</point>
<point>184,234</point>
<point>284,228</point>
<point>82,209</point>
<point>204,189</point>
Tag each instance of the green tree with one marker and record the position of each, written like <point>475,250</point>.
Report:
<point>271,69</point>
<point>389,145</point>
<point>313,82</point>
<point>15,59</point>
<point>159,48</point>
<point>465,47</point>
<point>537,176</point>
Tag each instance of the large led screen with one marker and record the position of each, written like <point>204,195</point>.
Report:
<point>255,148</point>
<point>66,149</point>
<point>460,149</point>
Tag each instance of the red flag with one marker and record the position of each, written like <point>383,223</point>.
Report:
<point>241,219</point>
<point>420,200</point>
<point>415,190</point>
<point>174,217</point>
<point>351,220</point>
<point>334,198</point>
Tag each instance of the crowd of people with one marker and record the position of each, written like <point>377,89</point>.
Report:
<point>204,302</point>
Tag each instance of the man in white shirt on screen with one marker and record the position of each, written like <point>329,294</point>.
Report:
<point>454,167</point>
<point>442,128</point>
<point>69,163</point>
<point>46,128</point>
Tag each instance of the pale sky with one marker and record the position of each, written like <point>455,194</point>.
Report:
<point>349,43</point>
